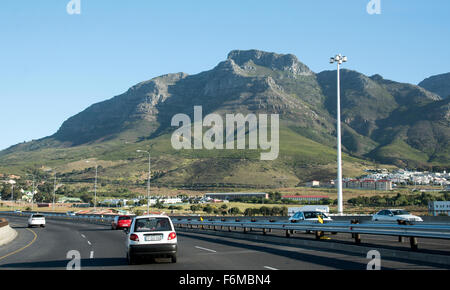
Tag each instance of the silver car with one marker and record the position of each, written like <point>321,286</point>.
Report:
<point>393,215</point>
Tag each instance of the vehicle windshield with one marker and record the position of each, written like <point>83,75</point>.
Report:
<point>124,218</point>
<point>399,212</point>
<point>38,216</point>
<point>152,225</point>
<point>314,214</point>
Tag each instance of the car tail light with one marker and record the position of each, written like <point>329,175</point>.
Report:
<point>172,236</point>
<point>134,237</point>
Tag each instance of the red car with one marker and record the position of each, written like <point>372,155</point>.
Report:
<point>121,222</point>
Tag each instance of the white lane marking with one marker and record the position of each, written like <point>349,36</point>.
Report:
<point>89,243</point>
<point>92,255</point>
<point>83,236</point>
<point>205,249</point>
<point>270,268</point>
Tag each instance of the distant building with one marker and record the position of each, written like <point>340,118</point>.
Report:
<point>354,183</point>
<point>172,200</point>
<point>69,200</point>
<point>236,195</point>
<point>313,183</point>
<point>308,198</point>
<point>368,184</point>
<point>383,184</point>
<point>436,208</point>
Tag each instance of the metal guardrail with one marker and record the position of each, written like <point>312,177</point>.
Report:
<point>411,231</point>
<point>353,227</point>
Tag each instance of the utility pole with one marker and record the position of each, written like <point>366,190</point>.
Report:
<point>149,178</point>
<point>339,59</point>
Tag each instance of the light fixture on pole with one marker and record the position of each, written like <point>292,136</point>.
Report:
<point>339,59</point>
<point>95,185</point>
<point>149,177</point>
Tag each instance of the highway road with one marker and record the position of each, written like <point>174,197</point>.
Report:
<point>102,248</point>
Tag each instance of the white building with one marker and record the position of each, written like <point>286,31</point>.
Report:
<point>436,208</point>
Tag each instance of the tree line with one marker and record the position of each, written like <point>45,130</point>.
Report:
<point>398,200</point>
<point>224,210</point>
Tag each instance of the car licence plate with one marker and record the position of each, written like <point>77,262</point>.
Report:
<point>150,238</point>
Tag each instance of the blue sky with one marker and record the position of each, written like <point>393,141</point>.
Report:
<point>53,65</point>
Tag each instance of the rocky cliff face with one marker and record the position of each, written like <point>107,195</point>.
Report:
<point>438,84</point>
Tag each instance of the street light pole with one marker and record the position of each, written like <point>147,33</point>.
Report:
<point>54,191</point>
<point>12,195</point>
<point>32,194</point>
<point>339,59</point>
<point>95,185</point>
<point>149,177</point>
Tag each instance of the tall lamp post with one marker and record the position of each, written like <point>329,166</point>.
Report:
<point>95,186</point>
<point>339,59</point>
<point>54,191</point>
<point>12,194</point>
<point>32,194</point>
<point>149,177</point>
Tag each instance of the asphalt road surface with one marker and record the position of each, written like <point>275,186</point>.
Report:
<point>102,248</point>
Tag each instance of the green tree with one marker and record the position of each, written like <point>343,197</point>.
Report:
<point>208,209</point>
<point>234,211</point>
<point>265,211</point>
<point>195,208</point>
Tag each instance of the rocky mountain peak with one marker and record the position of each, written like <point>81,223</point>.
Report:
<point>283,62</point>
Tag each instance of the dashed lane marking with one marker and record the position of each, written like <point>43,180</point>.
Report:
<point>205,249</point>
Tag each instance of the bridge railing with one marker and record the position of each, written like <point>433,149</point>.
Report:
<point>405,230</point>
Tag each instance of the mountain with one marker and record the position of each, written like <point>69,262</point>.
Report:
<point>438,84</point>
<point>383,121</point>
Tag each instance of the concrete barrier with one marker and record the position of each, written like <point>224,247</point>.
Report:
<point>7,234</point>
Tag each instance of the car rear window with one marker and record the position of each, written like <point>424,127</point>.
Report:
<point>152,225</point>
<point>124,218</point>
<point>38,216</point>
<point>314,214</point>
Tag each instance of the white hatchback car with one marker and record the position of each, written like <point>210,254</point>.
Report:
<point>36,220</point>
<point>395,215</point>
<point>151,236</point>
<point>309,216</point>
